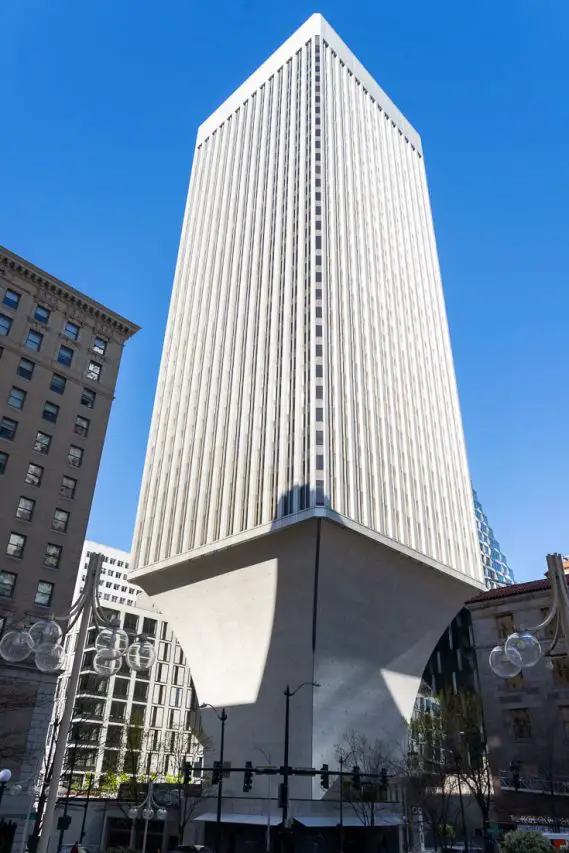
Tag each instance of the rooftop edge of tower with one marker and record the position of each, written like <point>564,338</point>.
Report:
<point>315,25</point>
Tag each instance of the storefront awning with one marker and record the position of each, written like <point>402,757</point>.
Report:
<point>230,817</point>
<point>383,819</point>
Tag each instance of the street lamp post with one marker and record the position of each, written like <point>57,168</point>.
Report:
<point>5,776</point>
<point>522,649</point>
<point>44,640</point>
<point>222,717</point>
<point>341,804</point>
<point>148,809</point>
<point>286,769</point>
<point>67,795</point>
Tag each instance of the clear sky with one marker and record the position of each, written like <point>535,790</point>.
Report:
<point>100,106</point>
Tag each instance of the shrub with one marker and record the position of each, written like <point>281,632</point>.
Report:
<point>525,842</point>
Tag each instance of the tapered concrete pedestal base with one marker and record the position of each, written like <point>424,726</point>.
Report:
<point>322,600</point>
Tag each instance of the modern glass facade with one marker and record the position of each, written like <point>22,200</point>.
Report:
<point>496,569</point>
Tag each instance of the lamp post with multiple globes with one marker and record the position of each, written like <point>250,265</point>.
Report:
<point>148,810</point>
<point>522,649</point>
<point>44,640</point>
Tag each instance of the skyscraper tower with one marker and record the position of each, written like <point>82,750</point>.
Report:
<point>305,512</point>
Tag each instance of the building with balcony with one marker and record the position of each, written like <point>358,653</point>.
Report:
<point>133,723</point>
<point>60,353</point>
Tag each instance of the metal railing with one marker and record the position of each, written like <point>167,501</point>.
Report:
<point>510,781</point>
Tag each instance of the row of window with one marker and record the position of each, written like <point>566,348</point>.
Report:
<point>17,399</point>
<point>42,443</point>
<point>65,354</point>
<point>115,599</point>
<point>17,545</point>
<point>25,512</point>
<point>42,314</point>
<point>44,590</point>
<point>110,585</point>
<point>34,476</point>
<point>58,383</point>
<point>112,561</point>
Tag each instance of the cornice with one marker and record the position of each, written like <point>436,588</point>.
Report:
<point>54,287</point>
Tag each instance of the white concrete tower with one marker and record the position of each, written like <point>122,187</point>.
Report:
<point>306,511</point>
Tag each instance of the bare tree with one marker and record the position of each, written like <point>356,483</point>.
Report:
<point>180,752</point>
<point>373,764</point>
<point>461,730</point>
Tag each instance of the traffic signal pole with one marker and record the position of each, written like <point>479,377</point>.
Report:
<point>223,718</point>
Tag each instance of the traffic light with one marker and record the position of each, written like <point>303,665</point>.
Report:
<point>515,771</point>
<point>325,777</point>
<point>383,779</point>
<point>248,777</point>
<point>187,772</point>
<point>356,778</point>
<point>216,775</point>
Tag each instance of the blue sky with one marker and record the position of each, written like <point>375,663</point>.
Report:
<point>101,103</point>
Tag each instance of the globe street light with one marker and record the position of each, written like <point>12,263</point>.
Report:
<point>45,641</point>
<point>5,776</point>
<point>148,809</point>
<point>522,649</point>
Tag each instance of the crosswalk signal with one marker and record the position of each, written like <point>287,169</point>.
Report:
<point>356,778</point>
<point>248,777</point>
<point>325,777</point>
<point>216,775</point>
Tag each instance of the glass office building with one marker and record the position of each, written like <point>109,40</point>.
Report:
<point>496,569</point>
<point>452,665</point>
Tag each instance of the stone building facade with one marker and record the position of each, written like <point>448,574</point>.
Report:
<point>60,353</point>
<point>526,717</point>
